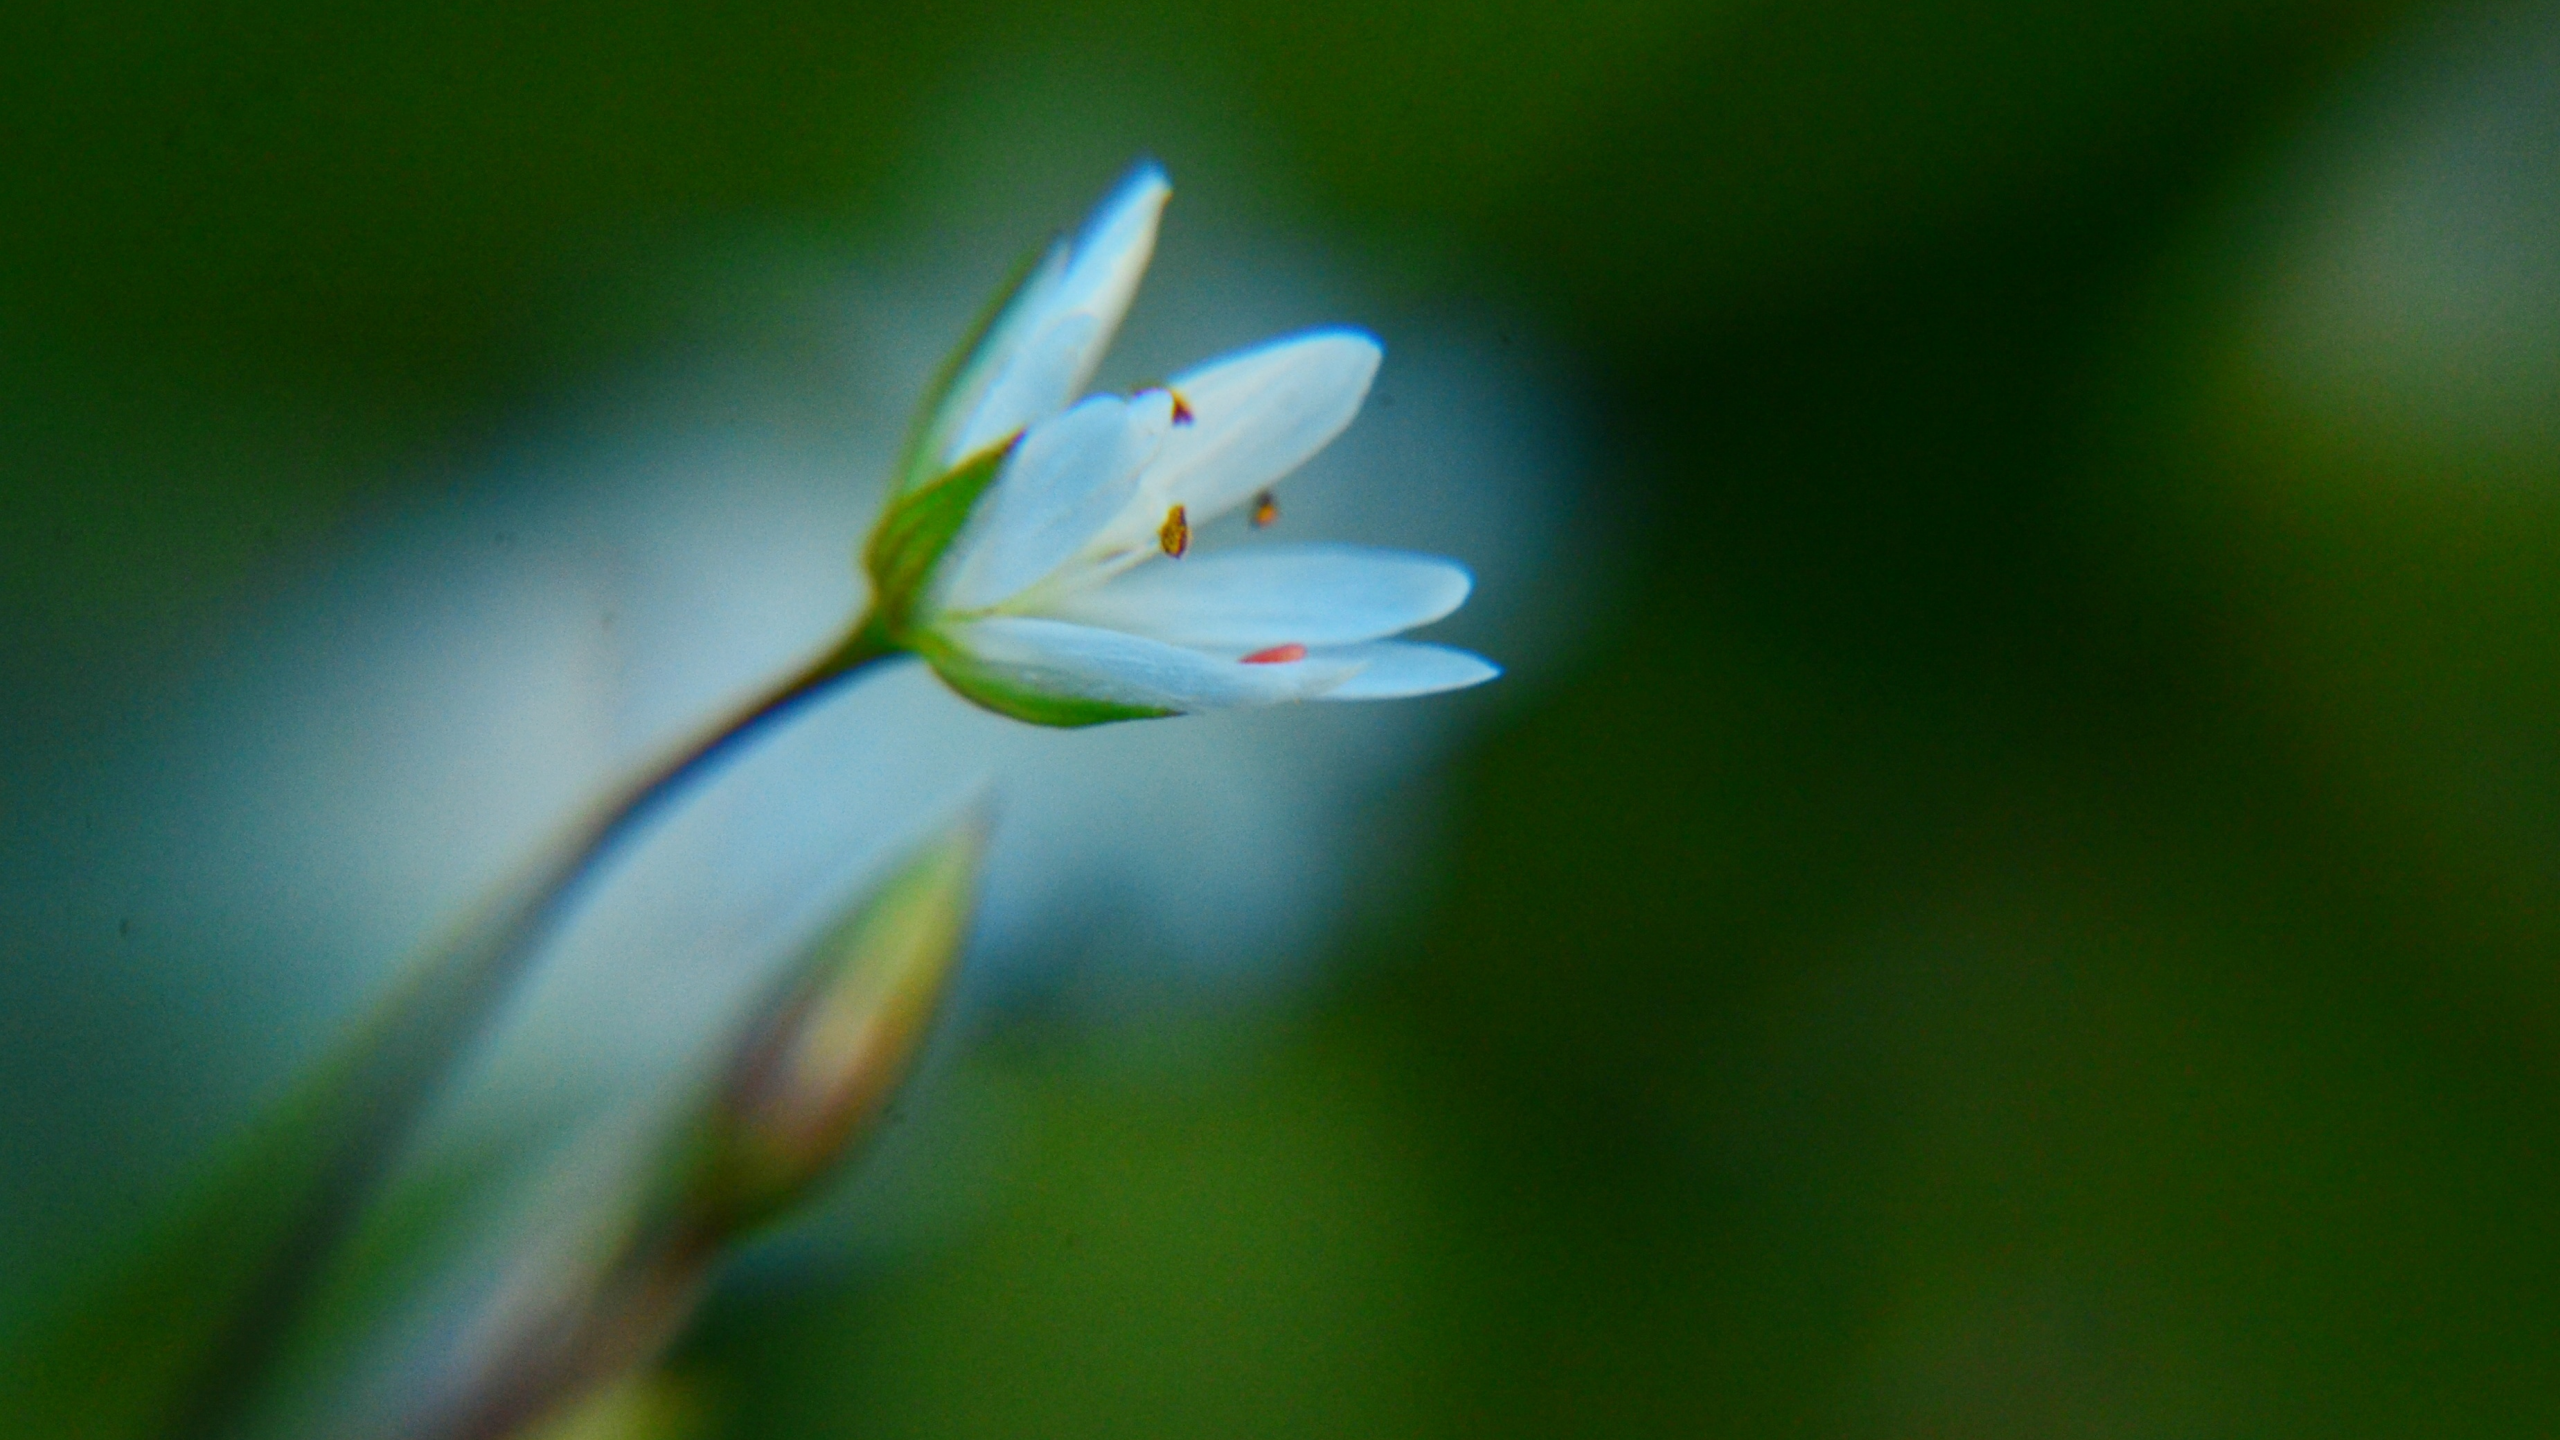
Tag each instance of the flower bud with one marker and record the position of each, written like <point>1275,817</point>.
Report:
<point>805,1080</point>
<point>816,1070</point>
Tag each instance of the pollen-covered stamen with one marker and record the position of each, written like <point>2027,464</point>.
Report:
<point>1175,534</point>
<point>1276,655</point>
<point>1181,407</point>
<point>1265,510</point>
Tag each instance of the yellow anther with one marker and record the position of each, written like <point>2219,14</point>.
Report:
<point>1175,536</point>
<point>1265,510</point>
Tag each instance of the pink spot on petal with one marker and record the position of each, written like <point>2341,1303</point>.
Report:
<point>1277,655</point>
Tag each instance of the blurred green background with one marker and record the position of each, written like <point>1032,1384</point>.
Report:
<point>2030,913</point>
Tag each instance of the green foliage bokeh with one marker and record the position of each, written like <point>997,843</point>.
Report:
<point>2029,915</point>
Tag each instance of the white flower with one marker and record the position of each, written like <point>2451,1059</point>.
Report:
<point>1038,553</point>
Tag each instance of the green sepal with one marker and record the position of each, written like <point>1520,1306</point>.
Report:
<point>997,688</point>
<point>916,465</point>
<point>918,527</point>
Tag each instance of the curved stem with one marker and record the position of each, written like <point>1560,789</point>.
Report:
<point>417,1034</point>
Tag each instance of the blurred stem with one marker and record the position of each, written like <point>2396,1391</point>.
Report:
<point>423,1027</point>
<point>651,1291</point>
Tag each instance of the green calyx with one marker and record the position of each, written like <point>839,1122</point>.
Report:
<point>918,527</point>
<point>1022,695</point>
<point>905,550</point>
<point>939,415</point>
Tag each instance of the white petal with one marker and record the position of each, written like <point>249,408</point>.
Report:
<point>1111,255</point>
<point>1255,416</point>
<point>1394,669</point>
<point>1028,313</point>
<point>1258,415</point>
<point>1040,375</point>
<point>1251,599</point>
<point>1039,355</point>
<point>1069,477</point>
<point>1088,663</point>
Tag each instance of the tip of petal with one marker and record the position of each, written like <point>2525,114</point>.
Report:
<point>1397,669</point>
<point>1353,343</point>
<point>1129,212</point>
<point>1145,176</point>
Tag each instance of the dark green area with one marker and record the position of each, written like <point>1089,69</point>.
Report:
<point>2031,918</point>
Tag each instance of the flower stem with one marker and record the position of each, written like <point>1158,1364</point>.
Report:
<point>418,1033</point>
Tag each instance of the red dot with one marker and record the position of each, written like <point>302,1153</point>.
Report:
<point>1277,655</point>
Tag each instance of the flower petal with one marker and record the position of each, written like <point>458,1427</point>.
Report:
<point>1040,375</point>
<point>1260,414</point>
<point>1054,659</point>
<point>1045,346</point>
<point>1111,254</point>
<point>1255,416</point>
<point>1249,599</point>
<point>1394,669</point>
<point>1070,476</point>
